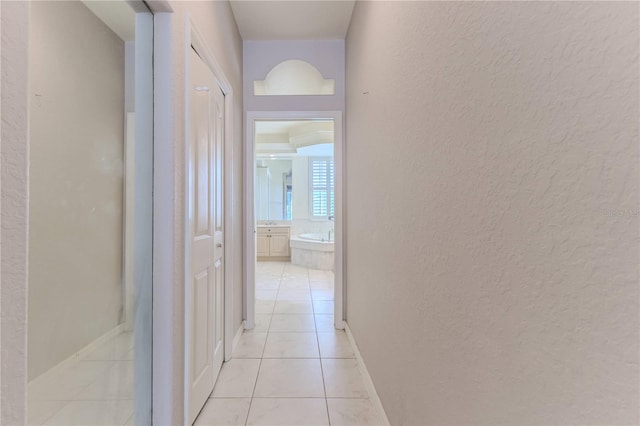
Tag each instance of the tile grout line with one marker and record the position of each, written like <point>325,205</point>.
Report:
<point>255,384</point>
<point>269,332</point>
<point>324,385</point>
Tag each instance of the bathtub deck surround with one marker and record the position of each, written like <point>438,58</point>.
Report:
<point>278,241</point>
<point>312,251</point>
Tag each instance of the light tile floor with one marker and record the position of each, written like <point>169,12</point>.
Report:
<point>95,389</point>
<point>294,367</point>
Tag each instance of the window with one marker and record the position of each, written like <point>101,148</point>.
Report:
<point>321,187</point>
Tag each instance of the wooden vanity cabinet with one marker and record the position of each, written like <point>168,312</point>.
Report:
<point>273,243</point>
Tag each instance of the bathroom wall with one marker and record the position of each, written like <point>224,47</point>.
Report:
<point>76,182</point>
<point>492,174</point>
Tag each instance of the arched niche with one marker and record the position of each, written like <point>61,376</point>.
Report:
<point>293,77</point>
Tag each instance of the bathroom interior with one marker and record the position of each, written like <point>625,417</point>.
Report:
<point>89,315</point>
<point>294,211</point>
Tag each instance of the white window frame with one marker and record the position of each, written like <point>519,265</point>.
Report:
<point>312,216</point>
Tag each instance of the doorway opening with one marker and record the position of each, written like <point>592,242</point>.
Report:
<point>293,221</point>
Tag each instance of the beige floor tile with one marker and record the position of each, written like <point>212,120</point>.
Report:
<point>292,345</point>
<point>237,379</point>
<point>266,294</point>
<point>40,411</point>
<point>295,295</point>
<point>295,284</point>
<point>291,269</point>
<point>321,284</point>
<point>318,275</point>
<point>287,323</point>
<point>224,412</point>
<point>98,413</point>
<point>323,307</point>
<point>270,284</point>
<point>115,383</point>
<point>324,323</point>
<point>67,383</point>
<point>116,349</point>
<point>342,379</point>
<point>293,307</point>
<point>352,412</point>
<point>335,345</point>
<point>322,294</point>
<point>288,412</point>
<point>250,345</point>
<point>265,306</point>
<point>289,378</point>
<point>262,324</point>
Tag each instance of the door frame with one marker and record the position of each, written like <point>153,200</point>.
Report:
<point>249,260</point>
<point>193,38</point>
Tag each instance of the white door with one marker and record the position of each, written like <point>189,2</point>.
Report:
<point>206,298</point>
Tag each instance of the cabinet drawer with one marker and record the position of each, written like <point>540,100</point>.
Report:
<point>279,231</point>
<point>263,230</point>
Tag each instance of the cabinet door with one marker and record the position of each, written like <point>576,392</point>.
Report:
<point>262,245</point>
<point>279,244</point>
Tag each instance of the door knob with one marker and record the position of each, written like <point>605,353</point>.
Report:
<point>219,245</point>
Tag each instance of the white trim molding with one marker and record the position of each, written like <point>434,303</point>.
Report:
<point>236,338</point>
<point>164,217</point>
<point>371,389</point>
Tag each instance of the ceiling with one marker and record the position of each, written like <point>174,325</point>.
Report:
<point>291,137</point>
<point>264,127</point>
<point>292,20</point>
<point>117,15</point>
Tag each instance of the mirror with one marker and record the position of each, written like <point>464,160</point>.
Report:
<point>274,184</point>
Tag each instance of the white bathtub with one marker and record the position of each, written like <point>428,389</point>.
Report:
<point>323,238</point>
<point>309,250</point>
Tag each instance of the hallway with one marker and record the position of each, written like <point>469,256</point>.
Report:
<point>483,199</point>
<point>293,368</point>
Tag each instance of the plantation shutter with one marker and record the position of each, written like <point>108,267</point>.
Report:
<point>322,192</point>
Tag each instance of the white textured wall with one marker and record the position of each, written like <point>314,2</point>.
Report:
<point>76,181</point>
<point>487,144</point>
<point>15,212</point>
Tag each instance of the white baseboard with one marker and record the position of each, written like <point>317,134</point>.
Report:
<point>236,338</point>
<point>78,356</point>
<point>371,389</point>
